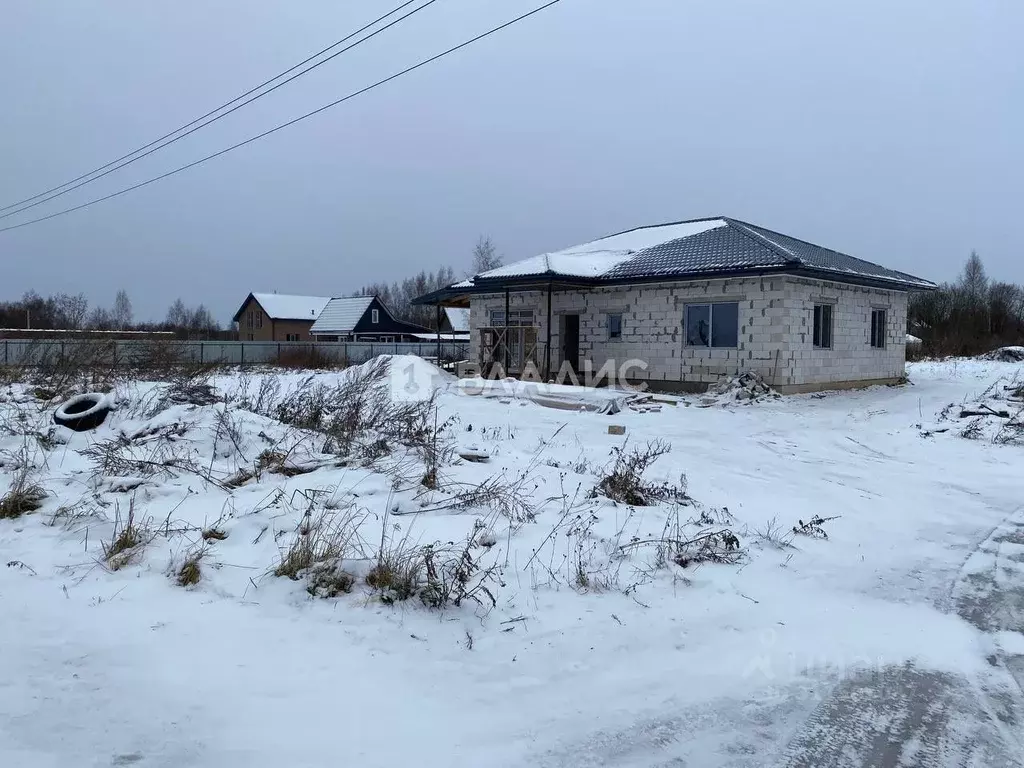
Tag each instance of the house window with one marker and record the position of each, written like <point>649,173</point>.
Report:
<point>374,315</point>
<point>518,318</point>
<point>614,327</point>
<point>713,325</point>
<point>291,337</point>
<point>878,328</point>
<point>259,320</point>
<point>823,326</point>
<point>250,319</point>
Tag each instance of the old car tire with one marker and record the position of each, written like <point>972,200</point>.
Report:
<point>83,412</point>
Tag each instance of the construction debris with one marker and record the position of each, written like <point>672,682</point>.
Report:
<point>746,387</point>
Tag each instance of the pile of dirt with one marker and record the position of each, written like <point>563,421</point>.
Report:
<point>747,387</point>
<point>1006,355</point>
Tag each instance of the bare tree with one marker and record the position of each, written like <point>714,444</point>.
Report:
<point>177,315</point>
<point>973,280</point>
<point>71,311</point>
<point>398,296</point>
<point>101,319</point>
<point>970,316</point>
<point>200,319</point>
<point>122,314</point>
<point>485,256</point>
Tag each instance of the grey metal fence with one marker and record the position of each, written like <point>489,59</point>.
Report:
<point>150,352</point>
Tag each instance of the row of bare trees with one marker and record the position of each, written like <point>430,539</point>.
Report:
<point>72,312</point>
<point>398,296</point>
<point>970,316</point>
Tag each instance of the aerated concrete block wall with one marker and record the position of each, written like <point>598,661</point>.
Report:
<point>775,331</point>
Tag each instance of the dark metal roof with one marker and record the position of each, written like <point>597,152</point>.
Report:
<point>740,246</point>
<point>736,249</point>
<point>725,248</point>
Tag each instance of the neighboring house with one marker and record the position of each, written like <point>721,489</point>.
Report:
<point>455,320</point>
<point>694,301</point>
<point>278,317</point>
<point>363,318</point>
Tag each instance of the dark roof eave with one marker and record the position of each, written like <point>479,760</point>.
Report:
<point>562,282</point>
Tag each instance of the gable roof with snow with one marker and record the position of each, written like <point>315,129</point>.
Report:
<point>458,319</point>
<point>342,315</point>
<point>686,250</point>
<point>279,306</point>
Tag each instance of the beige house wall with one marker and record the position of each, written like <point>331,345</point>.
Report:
<point>254,324</point>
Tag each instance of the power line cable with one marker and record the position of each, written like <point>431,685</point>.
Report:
<point>131,157</point>
<point>291,122</point>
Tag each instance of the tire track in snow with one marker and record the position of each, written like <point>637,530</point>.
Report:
<point>901,716</point>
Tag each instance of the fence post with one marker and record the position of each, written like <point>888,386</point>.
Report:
<point>7,352</point>
<point>241,353</point>
<point>202,352</point>
<point>115,353</point>
<point>279,353</point>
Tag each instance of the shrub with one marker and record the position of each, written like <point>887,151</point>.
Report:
<point>624,481</point>
<point>453,574</point>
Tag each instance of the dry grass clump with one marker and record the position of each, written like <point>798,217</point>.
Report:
<point>190,572</point>
<point>359,407</point>
<point>624,482</point>
<point>398,573</point>
<point>127,541</point>
<point>324,538</point>
<point>24,495</point>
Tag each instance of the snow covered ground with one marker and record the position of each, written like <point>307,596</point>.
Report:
<point>894,641</point>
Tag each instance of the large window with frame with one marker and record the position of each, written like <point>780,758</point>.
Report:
<point>822,338</point>
<point>878,317</point>
<point>713,325</point>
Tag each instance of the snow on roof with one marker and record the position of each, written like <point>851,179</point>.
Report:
<point>458,319</point>
<point>341,315</point>
<point>599,256</point>
<point>281,306</point>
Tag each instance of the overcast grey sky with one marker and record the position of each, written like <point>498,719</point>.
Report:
<point>890,129</point>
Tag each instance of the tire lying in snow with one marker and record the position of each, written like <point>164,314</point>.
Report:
<point>83,412</point>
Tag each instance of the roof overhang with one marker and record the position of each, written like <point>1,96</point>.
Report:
<point>460,295</point>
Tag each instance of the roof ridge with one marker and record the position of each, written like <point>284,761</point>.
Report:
<point>663,224</point>
<point>746,230</point>
<point>805,242</point>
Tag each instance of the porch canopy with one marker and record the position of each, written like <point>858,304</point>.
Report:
<point>459,295</point>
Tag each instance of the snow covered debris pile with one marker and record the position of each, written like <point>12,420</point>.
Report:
<point>748,386</point>
<point>996,416</point>
<point>1006,355</point>
<point>560,396</point>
